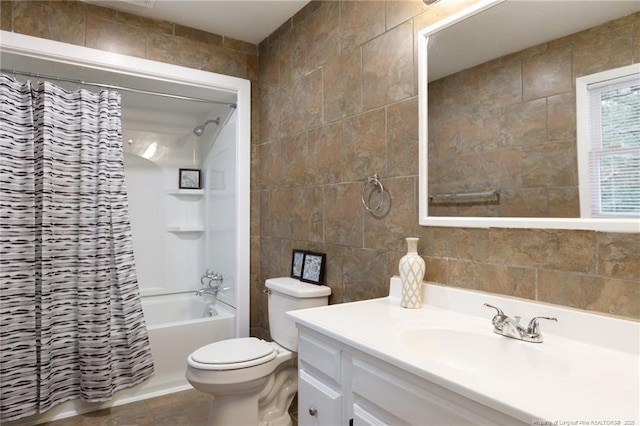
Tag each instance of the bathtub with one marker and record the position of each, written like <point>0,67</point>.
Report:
<point>177,309</point>
<point>177,324</point>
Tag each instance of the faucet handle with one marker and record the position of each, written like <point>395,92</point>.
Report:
<point>534,327</point>
<point>206,275</point>
<point>215,281</point>
<point>499,312</point>
<point>494,307</point>
<point>499,318</point>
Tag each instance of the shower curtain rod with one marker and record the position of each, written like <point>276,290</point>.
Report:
<point>114,87</point>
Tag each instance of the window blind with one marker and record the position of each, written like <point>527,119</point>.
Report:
<point>614,147</point>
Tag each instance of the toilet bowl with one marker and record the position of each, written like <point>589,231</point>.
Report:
<point>253,381</point>
<point>243,375</point>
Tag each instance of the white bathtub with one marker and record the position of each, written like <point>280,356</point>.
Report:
<point>178,324</point>
<point>176,309</point>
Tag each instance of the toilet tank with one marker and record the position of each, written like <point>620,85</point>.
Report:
<point>288,294</point>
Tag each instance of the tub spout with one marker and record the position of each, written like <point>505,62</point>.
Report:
<point>209,291</point>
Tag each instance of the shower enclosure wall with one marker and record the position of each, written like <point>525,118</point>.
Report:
<point>177,233</point>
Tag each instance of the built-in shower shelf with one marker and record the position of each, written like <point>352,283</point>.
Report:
<point>196,193</point>
<point>182,229</point>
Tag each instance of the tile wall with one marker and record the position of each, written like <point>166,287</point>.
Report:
<point>334,101</point>
<point>106,29</point>
<point>338,102</point>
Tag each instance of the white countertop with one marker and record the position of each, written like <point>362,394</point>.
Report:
<point>586,370</point>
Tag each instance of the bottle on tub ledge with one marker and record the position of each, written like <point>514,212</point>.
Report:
<point>412,270</point>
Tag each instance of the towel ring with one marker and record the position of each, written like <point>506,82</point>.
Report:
<point>372,180</point>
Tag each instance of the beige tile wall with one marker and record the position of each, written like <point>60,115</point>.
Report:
<point>337,102</point>
<point>510,124</point>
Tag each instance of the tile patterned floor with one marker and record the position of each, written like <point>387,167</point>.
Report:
<point>187,408</point>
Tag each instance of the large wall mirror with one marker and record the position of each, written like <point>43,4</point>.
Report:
<point>497,93</point>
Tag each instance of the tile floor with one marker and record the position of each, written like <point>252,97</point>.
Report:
<point>187,408</point>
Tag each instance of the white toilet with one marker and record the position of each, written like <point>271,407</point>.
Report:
<point>252,381</point>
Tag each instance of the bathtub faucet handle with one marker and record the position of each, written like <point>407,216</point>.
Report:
<point>217,280</point>
<point>205,275</point>
<point>209,275</point>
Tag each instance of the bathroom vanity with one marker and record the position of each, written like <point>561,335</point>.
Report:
<point>373,362</point>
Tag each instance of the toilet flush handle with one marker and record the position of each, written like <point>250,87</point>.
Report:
<point>313,411</point>
<point>267,291</point>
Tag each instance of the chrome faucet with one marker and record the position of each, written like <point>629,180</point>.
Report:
<point>512,328</point>
<point>213,282</point>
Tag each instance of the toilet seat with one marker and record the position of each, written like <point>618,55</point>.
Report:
<point>233,354</point>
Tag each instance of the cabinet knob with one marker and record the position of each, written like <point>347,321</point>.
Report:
<point>313,411</point>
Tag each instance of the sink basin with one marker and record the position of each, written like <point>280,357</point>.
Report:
<point>488,354</point>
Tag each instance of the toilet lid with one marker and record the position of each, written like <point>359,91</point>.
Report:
<point>233,351</point>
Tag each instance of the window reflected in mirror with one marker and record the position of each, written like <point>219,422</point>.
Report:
<point>608,122</point>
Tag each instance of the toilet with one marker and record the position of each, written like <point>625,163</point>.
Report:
<point>253,381</point>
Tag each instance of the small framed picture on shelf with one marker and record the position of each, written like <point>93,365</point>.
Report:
<point>189,179</point>
<point>313,268</point>
<point>296,263</point>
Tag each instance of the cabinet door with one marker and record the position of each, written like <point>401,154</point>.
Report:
<point>319,353</point>
<point>366,415</point>
<point>318,403</point>
<point>391,396</point>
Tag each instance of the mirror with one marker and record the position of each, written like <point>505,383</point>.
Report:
<point>497,111</point>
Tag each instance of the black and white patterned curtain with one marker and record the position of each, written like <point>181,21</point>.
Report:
<point>71,323</point>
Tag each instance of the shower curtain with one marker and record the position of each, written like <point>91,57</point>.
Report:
<point>71,323</point>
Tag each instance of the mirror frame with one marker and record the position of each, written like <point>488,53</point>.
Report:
<point>594,224</point>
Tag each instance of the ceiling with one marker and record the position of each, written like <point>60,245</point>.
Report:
<point>515,25</point>
<point>247,20</point>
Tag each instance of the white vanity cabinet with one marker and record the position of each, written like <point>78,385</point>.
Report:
<point>341,385</point>
<point>320,381</point>
<point>373,362</point>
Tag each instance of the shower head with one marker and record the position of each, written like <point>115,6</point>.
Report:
<point>199,130</point>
